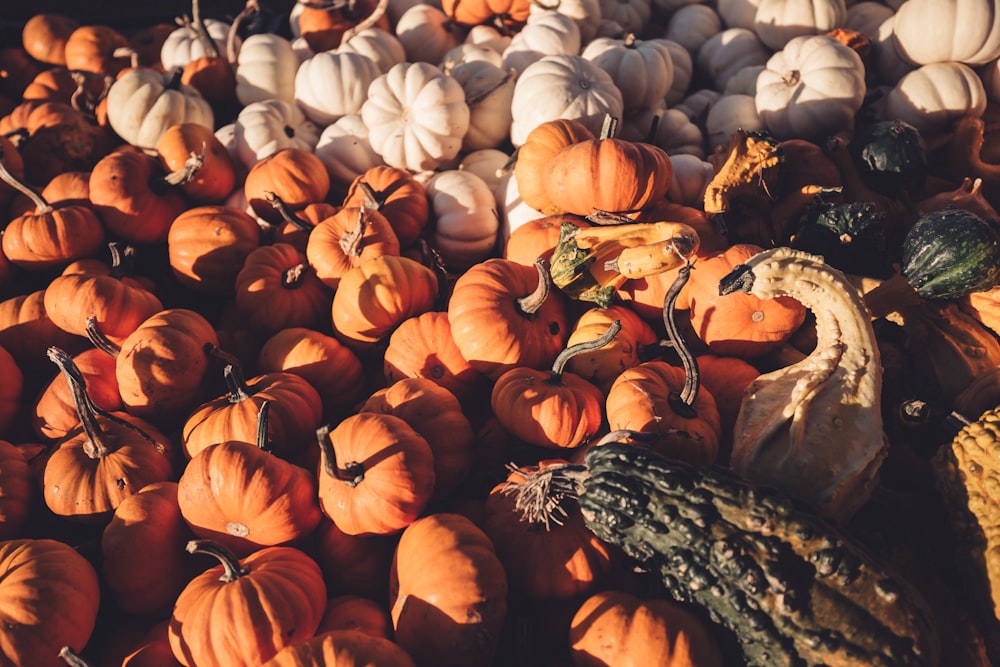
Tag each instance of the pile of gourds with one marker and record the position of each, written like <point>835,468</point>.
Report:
<point>455,333</point>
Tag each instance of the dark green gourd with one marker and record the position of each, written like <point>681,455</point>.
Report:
<point>950,253</point>
<point>795,591</point>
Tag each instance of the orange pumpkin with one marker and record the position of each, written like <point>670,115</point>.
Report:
<point>27,332</point>
<point>615,627</point>
<point>49,596</point>
<point>294,175</point>
<point>208,245</point>
<point>347,238</point>
<point>202,164</point>
<point>397,195</point>
<point>53,137</point>
<point>504,315</point>
<point>342,648</point>
<point>353,564</point>
<point>376,474</point>
<point>448,592</point>
<point>510,13</point>
<point>16,491</point>
<point>92,48</point>
<point>726,378</point>
<point>537,238</point>
<point>55,414</point>
<point>435,413</point>
<point>544,560</point>
<point>745,327</point>
<point>153,649</point>
<point>218,617</point>
<point>323,27</point>
<point>44,37</point>
<point>534,159</point>
<point>276,289</point>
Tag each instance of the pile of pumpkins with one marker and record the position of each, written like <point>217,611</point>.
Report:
<point>281,323</point>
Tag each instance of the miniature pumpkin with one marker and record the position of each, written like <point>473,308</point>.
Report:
<point>92,48</point>
<point>930,31</point>
<point>16,491</point>
<point>535,155</point>
<point>346,239</point>
<point>276,289</point>
<point>465,221</point>
<point>332,84</point>
<point>208,245</point>
<point>777,22</point>
<point>295,175</point>
<point>44,37</point>
<point>205,168</point>
<point>345,647</point>
<point>397,195</point>
<point>265,127</point>
<point>642,69</point>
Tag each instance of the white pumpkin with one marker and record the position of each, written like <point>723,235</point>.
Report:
<point>643,70</point>
<point>426,34</point>
<point>778,21</point>
<point>465,223</point>
<point>668,7</point>
<point>546,33</point>
<point>990,74</point>
<point>810,89</point>
<point>488,92</point>
<point>586,14</point>
<point>937,31</point>
<point>466,53</point>
<point>738,13</point>
<point>630,15</point>
<point>143,103</point>
<point>731,113</point>
<point>344,149</point>
<point>489,37</point>
<point>890,66</point>
<point>675,133</point>
<point>866,17</point>
<point>514,212</point>
<point>690,180</point>
<point>384,48</point>
<point>332,84</point>
<point>416,116</point>
<point>696,105</point>
<point>488,164</point>
<point>932,96</point>
<point>727,52</point>
<point>184,45</point>
<point>266,127</point>
<point>563,87</point>
<point>683,65</point>
<point>302,49</point>
<point>692,25</point>
<point>265,69</point>
<point>744,82</point>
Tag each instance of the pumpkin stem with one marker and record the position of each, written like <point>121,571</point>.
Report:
<point>555,378</point>
<point>71,658</point>
<point>122,259</point>
<point>376,199</point>
<point>201,31</point>
<point>237,385</point>
<point>352,474</point>
<point>232,569</point>
<point>263,420</point>
<point>249,9</point>
<point>539,498</point>
<point>654,127</point>
<point>41,206</point>
<point>609,127</point>
<point>286,214</point>
<point>431,258</point>
<point>99,340</point>
<point>174,82</point>
<point>96,446</point>
<point>190,169</point>
<point>294,276</point>
<point>350,242</point>
<point>682,403</point>
<point>377,13</point>
<point>529,305</point>
<point>606,218</point>
<point>489,90</point>
<point>133,62</point>
<point>629,40</point>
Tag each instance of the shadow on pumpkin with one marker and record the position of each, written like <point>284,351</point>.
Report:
<point>214,272</point>
<point>434,639</point>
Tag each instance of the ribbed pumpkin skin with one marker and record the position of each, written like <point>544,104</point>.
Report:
<point>118,306</point>
<point>403,200</point>
<point>54,413</point>
<point>244,498</point>
<point>448,592</point>
<point>276,289</point>
<point>489,328</point>
<point>243,623</point>
<point>617,628</point>
<point>326,251</point>
<point>45,240</point>
<point>16,490</point>
<point>607,175</point>
<point>49,596</point>
<point>534,159</point>
<point>342,648</point>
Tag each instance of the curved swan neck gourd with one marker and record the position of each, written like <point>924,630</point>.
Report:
<point>814,428</point>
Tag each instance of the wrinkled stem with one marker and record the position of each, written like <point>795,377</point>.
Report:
<point>232,569</point>
<point>286,213</point>
<point>190,169</point>
<point>71,658</point>
<point>41,206</point>
<point>587,346</point>
<point>263,419</point>
<point>350,242</point>
<point>99,340</point>
<point>529,305</point>
<point>683,403</point>
<point>351,474</point>
<point>236,384</point>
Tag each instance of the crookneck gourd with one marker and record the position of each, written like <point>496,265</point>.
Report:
<point>795,590</point>
<point>814,428</point>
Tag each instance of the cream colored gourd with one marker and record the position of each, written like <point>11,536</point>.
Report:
<point>265,69</point>
<point>144,103</point>
<point>266,127</point>
<point>932,96</point>
<point>546,33</point>
<point>642,69</point>
<point>488,164</point>
<point>467,53</point>
<point>488,37</point>
<point>810,89</point>
<point>488,92</point>
<point>416,116</point>
<point>586,14</point>
<point>465,219</point>
<point>345,151</point>
<point>814,428</point>
<point>866,17</point>
<point>890,66</point>
<point>629,15</point>
<point>426,34</point>
<point>383,47</point>
<point>332,84</point>
<point>692,25</point>
<point>184,45</point>
<point>563,87</point>
<point>934,31</point>
<point>727,52</point>
<point>729,114</point>
<point>744,82</point>
<point>513,210</point>
<point>778,21</point>
<point>683,65</point>
<point>738,13</point>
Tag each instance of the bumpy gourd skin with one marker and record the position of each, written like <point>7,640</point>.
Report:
<point>794,590</point>
<point>967,473</point>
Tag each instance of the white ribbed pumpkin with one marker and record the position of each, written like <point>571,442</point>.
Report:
<point>384,48</point>
<point>690,180</point>
<point>586,14</point>
<point>727,52</point>
<point>488,164</point>
<point>332,84</point>
<point>629,15</point>
<point>265,69</point>
<point>563,87</point>
<point>643,70</point>
<point>465,218</point>
<point>729,114</point>
<point>866,17</point>
<point>416,116</point>
<point>932,96</point>
<point>266,127</point>
<point>143,103</point>
<point>691,25</point>
<point>546,33</point>
<point>467,53</point>
<point>488,92</point>
<point>937,31</point>
<point>810,89</point>
<point>778,21</point>
<point>426,33</point>
<point>344,149</point>
<point>184,45</point>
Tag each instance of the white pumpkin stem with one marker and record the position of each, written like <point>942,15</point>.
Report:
<point>201,31</point>
<point>41,206</point>
<point>249,9</point>
<point>609,127</point>
<point>368,22</point>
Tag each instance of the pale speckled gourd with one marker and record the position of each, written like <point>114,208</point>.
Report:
<point>967,473</point>
<point>813,429</point>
